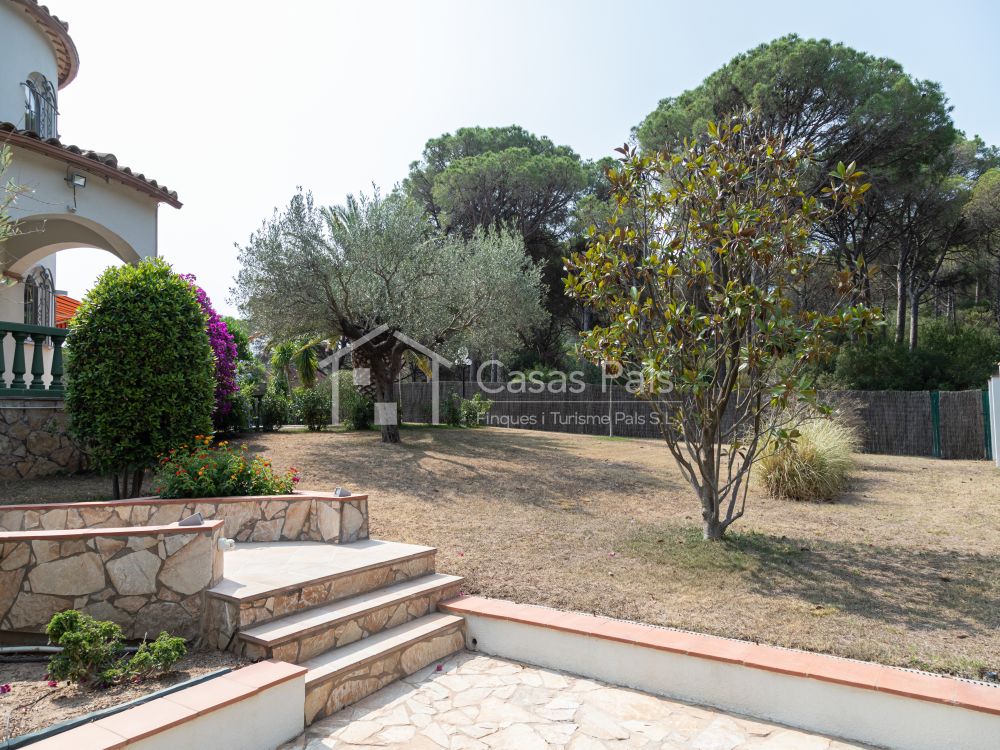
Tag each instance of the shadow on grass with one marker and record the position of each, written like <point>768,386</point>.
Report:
<point>915,589</point>
<point>436,464</point>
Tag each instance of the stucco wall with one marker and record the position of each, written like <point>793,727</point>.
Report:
<point>108,214</point>
<point>879,718</point>
<point>23,50</point>
<point>34,441</point>
<point>146,580</point>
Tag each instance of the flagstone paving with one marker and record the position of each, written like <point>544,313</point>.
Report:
<point>476,702</point>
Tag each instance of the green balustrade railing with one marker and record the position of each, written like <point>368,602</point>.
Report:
<point>16,380</point>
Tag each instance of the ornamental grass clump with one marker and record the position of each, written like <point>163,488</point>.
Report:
<point>815,465</point>
<point>201,469</point>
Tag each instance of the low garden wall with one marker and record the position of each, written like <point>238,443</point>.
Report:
<point>301,516</point>
<point>898,709</point>
<point>34,441</point>
<point>146,579</point>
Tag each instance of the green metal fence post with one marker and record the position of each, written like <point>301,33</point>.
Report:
<point>987,433</point>
<point>936,424</point>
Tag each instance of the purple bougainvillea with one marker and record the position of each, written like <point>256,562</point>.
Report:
<point>225,353</point>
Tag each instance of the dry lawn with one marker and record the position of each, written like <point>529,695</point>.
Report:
<point>904,569</point>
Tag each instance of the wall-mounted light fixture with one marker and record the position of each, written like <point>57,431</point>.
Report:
<point>75,180</point>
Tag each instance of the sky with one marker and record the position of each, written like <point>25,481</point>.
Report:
<point>234,104</point>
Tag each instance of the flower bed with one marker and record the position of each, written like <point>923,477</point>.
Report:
<point>204,470</point>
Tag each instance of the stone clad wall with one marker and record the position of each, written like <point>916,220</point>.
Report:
<point>303,516</point>
<point>34,441</point>
<point>145,579</point>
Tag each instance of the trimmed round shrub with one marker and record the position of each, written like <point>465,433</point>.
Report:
<point>140,370</point>
<point>815,466</point>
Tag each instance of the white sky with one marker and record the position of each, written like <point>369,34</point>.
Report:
<point>234,104</point>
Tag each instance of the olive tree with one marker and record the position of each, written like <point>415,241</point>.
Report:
<point>345,271</point>
<point>140,370</point>
<point>692,279</point>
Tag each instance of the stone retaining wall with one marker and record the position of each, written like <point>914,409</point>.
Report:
<point>302,516</point>
<point>34,440</point>
<point>145,579</point>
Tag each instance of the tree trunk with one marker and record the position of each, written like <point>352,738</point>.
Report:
<point>390,432</point>
<point>116,490</point>
<point>137,478</point>
<point>712,528</point>
<point>914,321</point>
<point>900,305</point>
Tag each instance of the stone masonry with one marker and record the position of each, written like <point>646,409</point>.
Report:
<point>34,441</point>
<point>146,580</point>
<point>302,516</point>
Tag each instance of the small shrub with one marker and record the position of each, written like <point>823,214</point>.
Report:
<point>274,408</point>
<point>475,409</point>
<point>464,412</point>
<point>203,470</point>
<point>816,465</point>
<point>93,651</point>
<point>451,409</point>
<point>357,411</point>
<point>312,405</point>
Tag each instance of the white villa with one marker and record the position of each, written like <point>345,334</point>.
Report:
<point>73,197</point>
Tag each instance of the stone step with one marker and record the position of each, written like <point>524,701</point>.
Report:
<point>345,675</point>
<point>265,581</point>
<point>306,634</point>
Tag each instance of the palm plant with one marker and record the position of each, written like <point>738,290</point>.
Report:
<point>300,355</point>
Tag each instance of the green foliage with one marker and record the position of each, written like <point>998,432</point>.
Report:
<point>93,651</point>
<point>357,411</point>
<point>815,464</point>
<point>496,177</point>
<point>846,103</point>
<point>464,412</point>
<point>508,178</point>
<point>475,409</point>
<point>240,337</point>
<point>140,369</point>
<point>203,470</point>
<point>90,648</point>
<point>312,406</point>
<point>375,261</point>
<point>949,358</point>
<point>156,657</point>
<point>275,407</point>
<point>692,279</point>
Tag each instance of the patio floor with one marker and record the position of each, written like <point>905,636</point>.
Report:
<point>478,702</point>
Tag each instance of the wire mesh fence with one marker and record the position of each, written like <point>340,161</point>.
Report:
<point>906,423</point>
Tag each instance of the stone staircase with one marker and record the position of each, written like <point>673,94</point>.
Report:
<point>358,616</point>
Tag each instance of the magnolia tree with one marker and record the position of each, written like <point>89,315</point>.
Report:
<point>694,281</point>
<point>347,270</point>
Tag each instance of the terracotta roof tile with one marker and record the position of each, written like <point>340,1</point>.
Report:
<point>102,163</point>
